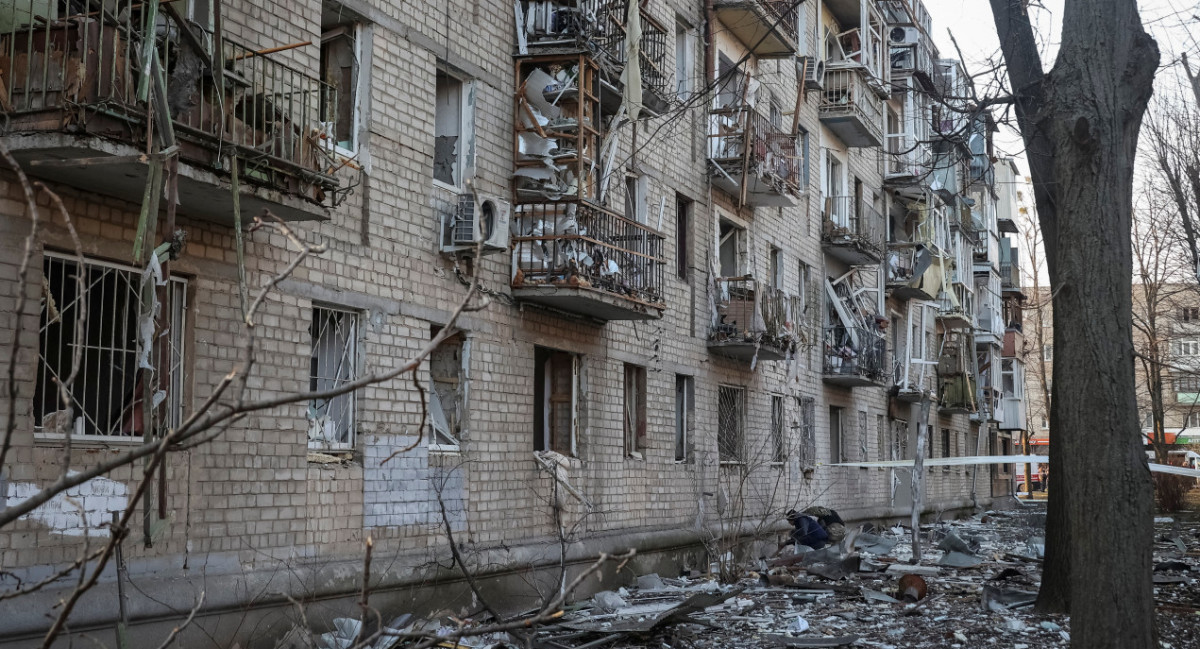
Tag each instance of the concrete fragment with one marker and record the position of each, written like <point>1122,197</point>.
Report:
<point>873,596</point>
<point>952,543</point>
<point>608,601</point>
<point>650,582</point>
<point>1012,624</point>
<point>1003,599</point>
<point>956,559</point>
<point>901,569</point>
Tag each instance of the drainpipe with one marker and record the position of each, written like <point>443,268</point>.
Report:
<point>709,75</point>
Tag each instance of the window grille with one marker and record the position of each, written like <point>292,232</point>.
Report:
<point>334,352</point>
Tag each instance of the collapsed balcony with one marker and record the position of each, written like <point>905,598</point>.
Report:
<point>956,395</point>
<point>77,101</point>
<point>755,321</point>
<point>955,309</point>
<point>854,356</point>
<point>851,108</point>
<point>767,172</point>
<point>766,27</point>
<point>597,28</point>
<point>584,259</point>
<point>853,231</point>
<point>906,268</point>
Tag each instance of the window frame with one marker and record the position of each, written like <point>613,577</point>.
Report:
<point>685,417</point>
<point>176,401</point>
<point>353,342</point>
<point>685,61</point>
<point>463,397</point>
<point>684,209</point>
<point>779,436</point>
<point>464,163</point>
<point>355,29</point>
<point>739,455</point>
<point>635,433</point>
<point>543,434</point>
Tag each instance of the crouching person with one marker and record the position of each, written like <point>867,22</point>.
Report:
<point>806,531</point>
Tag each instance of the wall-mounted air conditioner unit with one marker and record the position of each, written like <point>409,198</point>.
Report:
<point>813,71</point>
<point>477,217</point>
<point>904,36</point>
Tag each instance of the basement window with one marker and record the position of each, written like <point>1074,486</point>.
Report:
<point>447,392</point>
<point>98,325</point>
<point>333,364</point>
<point>556,399</point>
<point>634,411</point>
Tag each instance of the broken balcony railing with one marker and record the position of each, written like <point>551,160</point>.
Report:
<point>854,355</point>
<point>853,230</point>
<point>83,73</point>
<point>770,165</point>
<point>956,394</point>
<point>598,27</point>
<point>584,247</point>
<point>753,320</point>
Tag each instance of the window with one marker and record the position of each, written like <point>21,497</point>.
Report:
<point>836,454</point>
<point>805,273</point>
<point>105,399</point>
<point>1192,420</point>
<point>556,395</point>
<point>778,432</point>
<point>1187,348</point>
<point>1187,384</point>
<point>339,69</point>
<point>634,411</point>
<point>452,129</point>
<point>1045,424</point>
<point>447,391</point>
<point>732,249</point>
<point>1048,352</point>
<point>333,364</point>
<point>1189,314</point>
<point>807,422</point>
<point>881,435</point>
<point>776,114</point>
<point>775,272</point>
<point>685,413</point>
<point>636,188</point>
<point>946,450</point>
<point>685,61</point>
<point>837,205</point>
<point>863,436</point>
<point>731,423</point>
<point>730,83</point>
<point>683,236</point>
<point>802,151</point>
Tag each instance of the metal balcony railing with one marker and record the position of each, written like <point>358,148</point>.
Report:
<point>581,245</point>
<point>855,352</point>
<point>772,151</point>
<point>848,96</point>
<point>748,311</point>
<point>599,27</point>
<point>914,58</point>
<point>85,64</point>
<point>1010,274</point>
<point>848,221</point>
<point>784,14</point>
<point>901,265</point>
<point>906,156</point>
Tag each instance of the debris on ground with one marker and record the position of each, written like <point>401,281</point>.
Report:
<point>975,587</point>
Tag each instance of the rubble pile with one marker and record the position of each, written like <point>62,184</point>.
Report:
<point>974,586</point>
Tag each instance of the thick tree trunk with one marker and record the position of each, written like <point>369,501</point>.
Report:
<point>1080,123</point>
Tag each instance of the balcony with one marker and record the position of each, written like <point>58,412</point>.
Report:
<point>915,60</point>
<point>906,265</point>
<point>851,109</point>
<point>1014,343</point>
<point>847,12</point>
<point>907,162</point>
<point>765,174</point>
<point>852,231</point>
<point>991,407</point>
<point>1006,224</point>
<point>597,27</point>
<point>854,356</point>
<point>952,312</point>
<point>1010,275</point>
<point>755,321</point>
<point>956,395</point>
<point>583,259</point>
<point>1012,414</point>
<point>768,27</point>
<point>74,115</point>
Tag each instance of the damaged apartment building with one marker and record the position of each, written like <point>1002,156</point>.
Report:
<point>725,247</point>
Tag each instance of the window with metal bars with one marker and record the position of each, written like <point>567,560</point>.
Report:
<point>331,420</point>
<point>779,440</point>
<point>731,423</point>
<point>807,416</point>
<point>90,326</point>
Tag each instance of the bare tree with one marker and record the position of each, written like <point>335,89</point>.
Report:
<point>1080,123</point>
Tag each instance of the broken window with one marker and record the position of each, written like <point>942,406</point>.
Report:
<point>881,434</point>
<point>836,452</point>
<point>447,391</point>
<point>685,412</point>
<point>452,120</point>
<point>106,396</point>
<point>802,152</point>
<point>732,249</point>
<point>731,423</point>
<point>339,69</point>
<point>1048,352</point>
<point>334,335</point>
<point>900,440</point>
<point>775,272</point>
<point>636,188</point>
<point>634,411</point>
<point>683,236</point>
<point>807,422</point>
<point>556,397</point>
<point>946,450</point>
<point>779,440</point>
<point>863,436</point>
<point>685,61</point>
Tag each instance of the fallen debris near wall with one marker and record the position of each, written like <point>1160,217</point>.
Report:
<point>976,589</point>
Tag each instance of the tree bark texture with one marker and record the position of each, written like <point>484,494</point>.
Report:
<point>1080,124</point>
